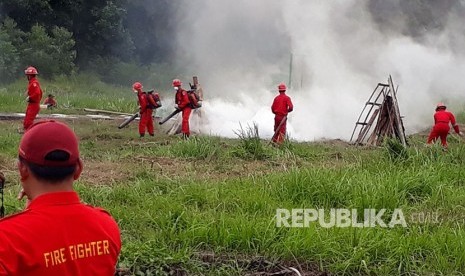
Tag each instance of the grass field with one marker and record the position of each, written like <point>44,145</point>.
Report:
<point>207,206</point>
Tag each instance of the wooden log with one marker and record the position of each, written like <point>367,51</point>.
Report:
<point>199,89</point>
<point>399,126</point>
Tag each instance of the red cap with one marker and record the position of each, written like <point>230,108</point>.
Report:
<point>44,137</point>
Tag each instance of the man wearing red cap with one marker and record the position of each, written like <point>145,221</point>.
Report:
<point>281,106</point>
<point>441,128</point>
<point>183,103</point>
<point>34,97</point>
<point>56,234</point>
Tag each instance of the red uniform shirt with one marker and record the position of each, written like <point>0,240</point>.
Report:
<point>282,105</point>
<point>58,235</point>
<point>444,117</point>
<point>50,101</point>
<point>142,100</point>
<point>182,99</point>
<point>34,92</point>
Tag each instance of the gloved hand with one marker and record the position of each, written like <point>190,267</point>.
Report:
<point>176,107</point>
<point>27,99</point>
<point>460,134</point>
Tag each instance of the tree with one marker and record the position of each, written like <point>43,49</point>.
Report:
<point>151,24</point>
<point>62,49</point>
<point>51,55</point>
<point>11,38</point>
<point>9,58</point>
<point>99,32</point>
<point>28,13</point>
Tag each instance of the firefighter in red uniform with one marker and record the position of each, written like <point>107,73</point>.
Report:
<point>146,120</point>
<point>34,97</point>
<point>282,105</point>
<point>50,101</point>
<point>441,128</point>
<point>182,103</point>
<point>56,234</point>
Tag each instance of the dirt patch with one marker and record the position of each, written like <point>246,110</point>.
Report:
<point>98,173</point>
<point>336,143</point>
<point>170,167</point>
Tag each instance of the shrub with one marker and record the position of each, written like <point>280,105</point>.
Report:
<point>395,150</point>
<point>251,146</point>
<point>196,147</point>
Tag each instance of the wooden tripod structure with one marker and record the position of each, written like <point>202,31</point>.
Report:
<point>380,118</point>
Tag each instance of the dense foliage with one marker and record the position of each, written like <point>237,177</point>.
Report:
<point>121,39</point>
<point>64,36</point>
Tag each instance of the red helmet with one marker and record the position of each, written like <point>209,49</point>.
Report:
<point>282,87</point>
<point>31,71</point>
<point>137,86</point>
<point>440,105</point>
<point>177,82</point>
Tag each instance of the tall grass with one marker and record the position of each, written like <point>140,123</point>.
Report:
<point>197,147</point>
<point>73,93</point>
<point>238,216</point>
<point>251,146</point>
<point>168,217</point>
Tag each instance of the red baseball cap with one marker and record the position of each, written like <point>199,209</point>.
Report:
<point>44,137</point>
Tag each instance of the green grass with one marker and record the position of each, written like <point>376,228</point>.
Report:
<point>177,200</point>
<point>73,94</point>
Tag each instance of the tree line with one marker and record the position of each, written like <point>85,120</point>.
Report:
<point>120,39</point>
<point>61,37</point>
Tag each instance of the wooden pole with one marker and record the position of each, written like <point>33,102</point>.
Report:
<point>279,127</point>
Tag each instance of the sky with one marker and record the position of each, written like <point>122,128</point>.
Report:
<point>241,50</point>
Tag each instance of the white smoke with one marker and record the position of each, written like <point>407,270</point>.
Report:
<point>241,50</point>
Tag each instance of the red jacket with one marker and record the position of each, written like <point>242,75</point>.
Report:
<point>34,92</point>
<point>142,101</point>
<point>444,117</point>
<point>50,101</point>
<point>58,235</point>
<point>182,99</point>
<point>282,105</point>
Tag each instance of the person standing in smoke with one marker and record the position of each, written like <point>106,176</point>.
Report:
<point>441,128</point>
<point>146,120</point>
<point>281,106</point>
<point>182,103</point>
<point>33,99</point>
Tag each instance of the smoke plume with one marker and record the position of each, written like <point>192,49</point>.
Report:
<point>340,50</point>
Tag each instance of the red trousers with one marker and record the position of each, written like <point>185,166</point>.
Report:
<point>31,112</point>
<point>146,122</point>
<point>439,130</point>
<point>186,113</point>
<point>279,137</point>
